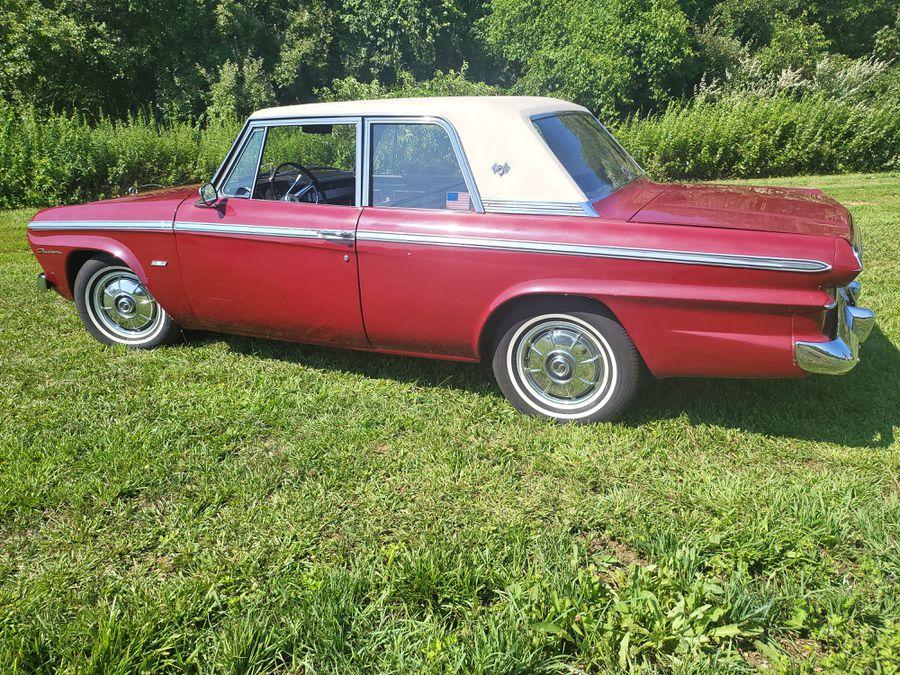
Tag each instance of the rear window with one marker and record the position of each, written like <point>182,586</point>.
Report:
<point>596,162</point>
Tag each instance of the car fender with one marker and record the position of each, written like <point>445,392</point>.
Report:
<point>737,323</point>
<point>55,251</point>
<point>595,290</point>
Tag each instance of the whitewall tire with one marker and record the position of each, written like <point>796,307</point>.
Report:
<point>116,307</point>
<point>570,366</point>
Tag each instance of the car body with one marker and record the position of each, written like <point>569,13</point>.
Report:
<point>430,227</point>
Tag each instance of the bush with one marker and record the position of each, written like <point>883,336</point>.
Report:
<point>750,135</point>
<point>451,83</point>
<point>61,158</point>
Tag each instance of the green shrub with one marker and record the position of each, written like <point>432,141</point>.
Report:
<point>747,136</point>
<point>61,158</point>
<point>451,83</point>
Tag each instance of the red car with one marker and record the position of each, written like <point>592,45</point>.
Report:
<point>503,228</point>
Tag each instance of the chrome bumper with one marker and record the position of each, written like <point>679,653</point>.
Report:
<point>43,284</point>
<point>853,327</point>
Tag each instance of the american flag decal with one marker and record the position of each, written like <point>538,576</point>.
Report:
<point>458,200</point>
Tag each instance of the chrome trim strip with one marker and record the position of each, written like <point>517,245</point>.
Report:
<point>621,252</point>
<point>250,230</point>
<point>141,225</point>
<point>537,208</point>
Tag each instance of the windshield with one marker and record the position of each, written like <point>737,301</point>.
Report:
<point>590,154</point>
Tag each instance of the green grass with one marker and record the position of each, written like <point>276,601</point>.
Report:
<point>238,505</point>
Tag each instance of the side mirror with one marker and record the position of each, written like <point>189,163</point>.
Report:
<point>209,196</point>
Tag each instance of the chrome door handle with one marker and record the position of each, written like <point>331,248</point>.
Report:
<point>338,236</point>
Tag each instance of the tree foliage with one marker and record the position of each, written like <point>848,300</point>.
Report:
<point>611,55</point>
<point>178,59</point>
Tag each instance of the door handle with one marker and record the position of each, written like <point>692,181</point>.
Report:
<point>337,236</point>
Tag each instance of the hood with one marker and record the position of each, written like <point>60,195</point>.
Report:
<point>165,193</point>
<point>156,205</point>
<point>771,209</point>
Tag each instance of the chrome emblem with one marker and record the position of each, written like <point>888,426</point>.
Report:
<point>49,251</point>
<point>500,170</point>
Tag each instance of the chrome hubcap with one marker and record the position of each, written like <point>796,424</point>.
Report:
<point>122,306</point>
<point>560,367</point>
<point>561,362</point>
<point>125,306</point>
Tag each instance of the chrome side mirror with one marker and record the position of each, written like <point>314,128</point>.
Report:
<point>209,196</point>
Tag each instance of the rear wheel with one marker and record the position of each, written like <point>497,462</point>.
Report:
<point>116,307</point>
<point>567,365</point>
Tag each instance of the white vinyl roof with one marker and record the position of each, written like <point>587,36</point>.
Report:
<point>492,130</point>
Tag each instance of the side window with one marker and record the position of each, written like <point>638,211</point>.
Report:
<point>305,163</point>
<point>414,166</point>
<point>240,182</point>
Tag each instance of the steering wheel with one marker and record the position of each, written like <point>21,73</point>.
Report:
<point>314,189</point>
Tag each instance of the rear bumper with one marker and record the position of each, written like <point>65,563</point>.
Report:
<point>841,354</point>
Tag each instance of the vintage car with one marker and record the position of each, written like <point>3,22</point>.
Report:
<point>509,229</point>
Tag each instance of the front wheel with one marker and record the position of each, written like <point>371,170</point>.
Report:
<point>117,309</point>
<point>568,366</point>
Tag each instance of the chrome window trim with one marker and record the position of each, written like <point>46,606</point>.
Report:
<point>360,161</point>
<point>247,230</point>
<point>455,142</point>
<point>618,252</point>
<point>138,225</point>
<point>221,176</point>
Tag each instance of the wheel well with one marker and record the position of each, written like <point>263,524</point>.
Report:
<point>77,259</point>
<point>497,319</point>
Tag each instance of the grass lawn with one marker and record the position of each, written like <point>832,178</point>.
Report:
<point>238,505</point>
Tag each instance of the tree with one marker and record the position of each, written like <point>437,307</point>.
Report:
<point>613,56</point>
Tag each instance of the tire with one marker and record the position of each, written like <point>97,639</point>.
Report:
<point>117,309</point>
<point>569,365</point>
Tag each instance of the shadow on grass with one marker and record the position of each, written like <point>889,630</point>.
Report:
<point>860,409</point>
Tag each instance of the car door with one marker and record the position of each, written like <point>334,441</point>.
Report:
<point>274,263</point>
<point>420,293</point>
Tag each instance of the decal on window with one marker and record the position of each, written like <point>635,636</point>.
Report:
<point>458,200</point>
